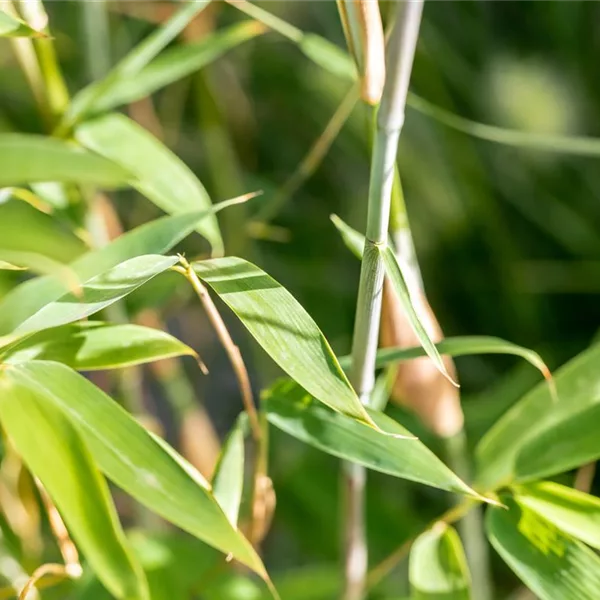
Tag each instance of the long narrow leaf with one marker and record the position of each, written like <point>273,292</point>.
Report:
<point>87,100</point>
<point>438,567</point>
<point>54,452</point>
<point>97,293</point>
<point>575,512</point>
<point>28,158</point>
<point>396,277</point>
<point>293,410</point>
<point>284,329</point>
<point>156,237</point>
<point>88,346</point>
<point>577,386</point>
<point>228,480</point>
<point>159,174</point>
<point>177,63</point>
<point>12,27</point>
<point>134,460</point>
<point>551,563</point>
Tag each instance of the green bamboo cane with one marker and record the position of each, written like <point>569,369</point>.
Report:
<point>390,119</point>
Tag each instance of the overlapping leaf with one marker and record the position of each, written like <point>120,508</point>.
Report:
<point>54,452</point>
<point>10,26</point>
<point>284,330</point>
<point>131,457</point>
<point>158,173</point>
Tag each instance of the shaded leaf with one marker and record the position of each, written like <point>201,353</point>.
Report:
<point>577,386</point>
<point>575,512</point>
<point>438,567</point>
<point>88,346</point>
<point>561,446</point>
<point>97,293</point>
<point>293,410</point>
<point>175,63</point>
<point>54,452</point>
<point>156,237</point>
<point>228,480</point>
<point>284,329</point>
<point>149,470</point>
<point>159,174</point>
<point>28,158</point>
<point>10,26</point>
<point>552,564</point>
<point>90,98</point>
<point>397,279</point>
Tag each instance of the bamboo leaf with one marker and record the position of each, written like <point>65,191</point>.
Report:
<point>575,512</point>
<point>561,446</point>
<point>134,460</point>
<point>28,158</point>
<point>10,26</point>
<point>396,277</point>
<point>159,174</point>
<point>91,97</point>
<point>228,480</point>
<point>54,452</point>
<point>156,237</point>
<point>283,329</point>
<point>293,410</point>
<point>354,240</point>
<point>89,346</point>
<point>438,567</point>
<point>97,293</point>
<point>552,564</point>
<point>577,387</point>
<point>176,63</point>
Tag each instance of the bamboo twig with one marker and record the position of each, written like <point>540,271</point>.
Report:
<point>390,119</point>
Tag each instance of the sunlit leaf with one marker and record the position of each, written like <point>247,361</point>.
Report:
<point>177,62</point>
<point>27,158</point>
<point>561,446</point>
<point>551,563</point>
<point>132,458</point>
<point>156,237</point>
<point>397,279</point>
<point>284,329</point>
<point>92,345</point>
<point>354,240</point>
<point>54,451</point>
<point>97,293</point>
<point>228,480</point>
<point>438,567</point>
<point>578,387</point>
<point>293,410</point>
<point>91,97</point>
<point>12,27</point>
<point>159,174</point>
<point>575,512</point>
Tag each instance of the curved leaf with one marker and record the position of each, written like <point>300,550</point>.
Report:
<point>575,512</point>
<point>293,410</point>
<point>158,173</point>
<point>438,567</point>
<point>93,345</point>
<point>97,293</point>
<point>577,386</point>
<point>561,446</point>
<point>56,454</point>
<point>90,98</point>
<point>284,329</point>
<point>177,62</point>
<point>552,564</point>
<point>156,237</point>
<point>28,158</point>
<point>131,457</point>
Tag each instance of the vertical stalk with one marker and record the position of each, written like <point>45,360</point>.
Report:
<point>390,118</point>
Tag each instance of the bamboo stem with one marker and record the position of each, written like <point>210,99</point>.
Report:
<point>390,119</point>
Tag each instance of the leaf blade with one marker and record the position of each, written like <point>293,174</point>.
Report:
<point>158,173</point>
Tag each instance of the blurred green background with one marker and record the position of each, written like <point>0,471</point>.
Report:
<point>507,238</point>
